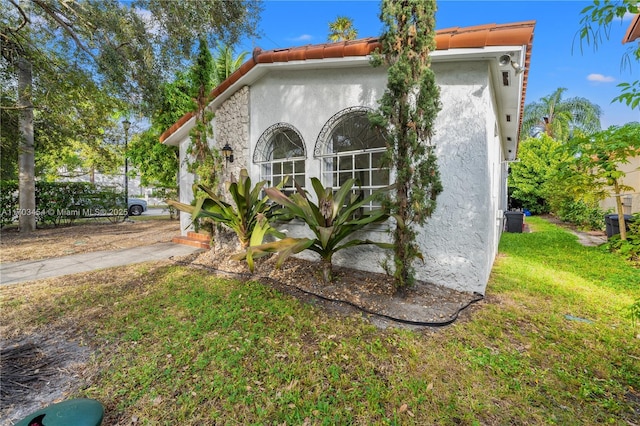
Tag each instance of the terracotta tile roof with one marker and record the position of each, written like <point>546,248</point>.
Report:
<point>174,128</point>
<point>633,32</point>
<point>514,34</point>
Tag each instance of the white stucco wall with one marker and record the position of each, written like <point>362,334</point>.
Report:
<point>460,241</point>
<point>185,181</point>
<point>307,99</point>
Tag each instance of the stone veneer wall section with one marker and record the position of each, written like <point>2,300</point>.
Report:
<point>232,127</point>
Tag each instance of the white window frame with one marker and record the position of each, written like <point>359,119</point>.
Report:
<point>332,178</point>
<point>275,170</point>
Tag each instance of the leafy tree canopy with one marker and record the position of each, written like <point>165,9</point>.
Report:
<point>559,118</point>
<point>75,124</point>
<point>600,156</point>
<point>595,27</point>
<point>158,163</point>
<point>530,179</point>
<point>342,29</point>
<point>128,48</point>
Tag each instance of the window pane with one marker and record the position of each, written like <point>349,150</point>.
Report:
<point>346,163</point>
<point>289,183</point>
<point>380,177</point>
<point>329,164</point>
<point>354,132</point>
<point>287,144</point>
<point>329,179</point>
<point>376,160</point>
<point>363,178</point>
<point>266,172</point>
<point>343,178</point>
<point>362,161</point>
<point>284,143</point>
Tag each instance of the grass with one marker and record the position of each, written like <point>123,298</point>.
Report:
<point>184,347</point>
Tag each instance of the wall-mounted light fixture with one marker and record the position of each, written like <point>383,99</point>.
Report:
<point>227,152</point>
<point>516,66</point>
<point>505,60</point>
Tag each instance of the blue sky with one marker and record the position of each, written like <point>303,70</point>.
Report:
<point>557,60</point>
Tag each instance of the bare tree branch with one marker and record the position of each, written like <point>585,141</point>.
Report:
<point>25,19</point>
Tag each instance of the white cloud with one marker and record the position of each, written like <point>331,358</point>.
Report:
<point>628,16</point>
<point>303,37</point>
<point>599,78</point>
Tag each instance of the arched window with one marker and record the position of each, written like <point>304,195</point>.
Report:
<point>280,152</point>
<point>349,147</point>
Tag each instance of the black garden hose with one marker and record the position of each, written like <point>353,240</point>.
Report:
<point>478,297</point>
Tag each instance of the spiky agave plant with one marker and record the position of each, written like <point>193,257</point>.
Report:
<point>333,220</point>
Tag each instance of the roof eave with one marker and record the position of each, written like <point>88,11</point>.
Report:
<point>451,42</point>
<point>633,32</point>
<point>179,131</point>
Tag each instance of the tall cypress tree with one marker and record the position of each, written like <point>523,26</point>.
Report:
<point>407,113</point>
<point>206,161</point>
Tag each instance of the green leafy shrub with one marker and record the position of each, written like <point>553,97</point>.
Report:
<point>168,193</point>
<point>629,249</point>
<point>335,218</point>
<point>8,201</point>
<point>587,215</point>
<point>531,178</point>
<point>60,203</point>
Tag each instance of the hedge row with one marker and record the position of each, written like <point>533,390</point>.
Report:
<point>63,202</point>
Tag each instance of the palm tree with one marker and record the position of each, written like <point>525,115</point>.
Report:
<point>342,29</point>
<point>558,117</point>
<point>225,64</point>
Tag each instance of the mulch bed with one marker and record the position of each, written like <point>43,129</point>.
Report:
<point>424,304</point>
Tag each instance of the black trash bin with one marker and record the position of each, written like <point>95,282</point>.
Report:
<point>515,221</point>
<point>613,225</point>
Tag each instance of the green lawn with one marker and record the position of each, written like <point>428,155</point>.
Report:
<point>183,347</point>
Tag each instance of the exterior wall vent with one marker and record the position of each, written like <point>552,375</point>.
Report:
<point>505,78</point>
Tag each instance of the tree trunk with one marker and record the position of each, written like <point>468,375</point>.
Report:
<point>621,222</point>
<point>327,270</point>
<point>26,155</point>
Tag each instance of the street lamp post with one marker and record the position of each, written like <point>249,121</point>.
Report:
<point>126,124</point>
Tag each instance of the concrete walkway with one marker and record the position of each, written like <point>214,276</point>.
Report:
<point>590,239</point>
<point>586,238</point>
<point>28,270</point>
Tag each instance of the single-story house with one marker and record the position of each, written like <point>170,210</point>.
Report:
<point>301,111</point>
